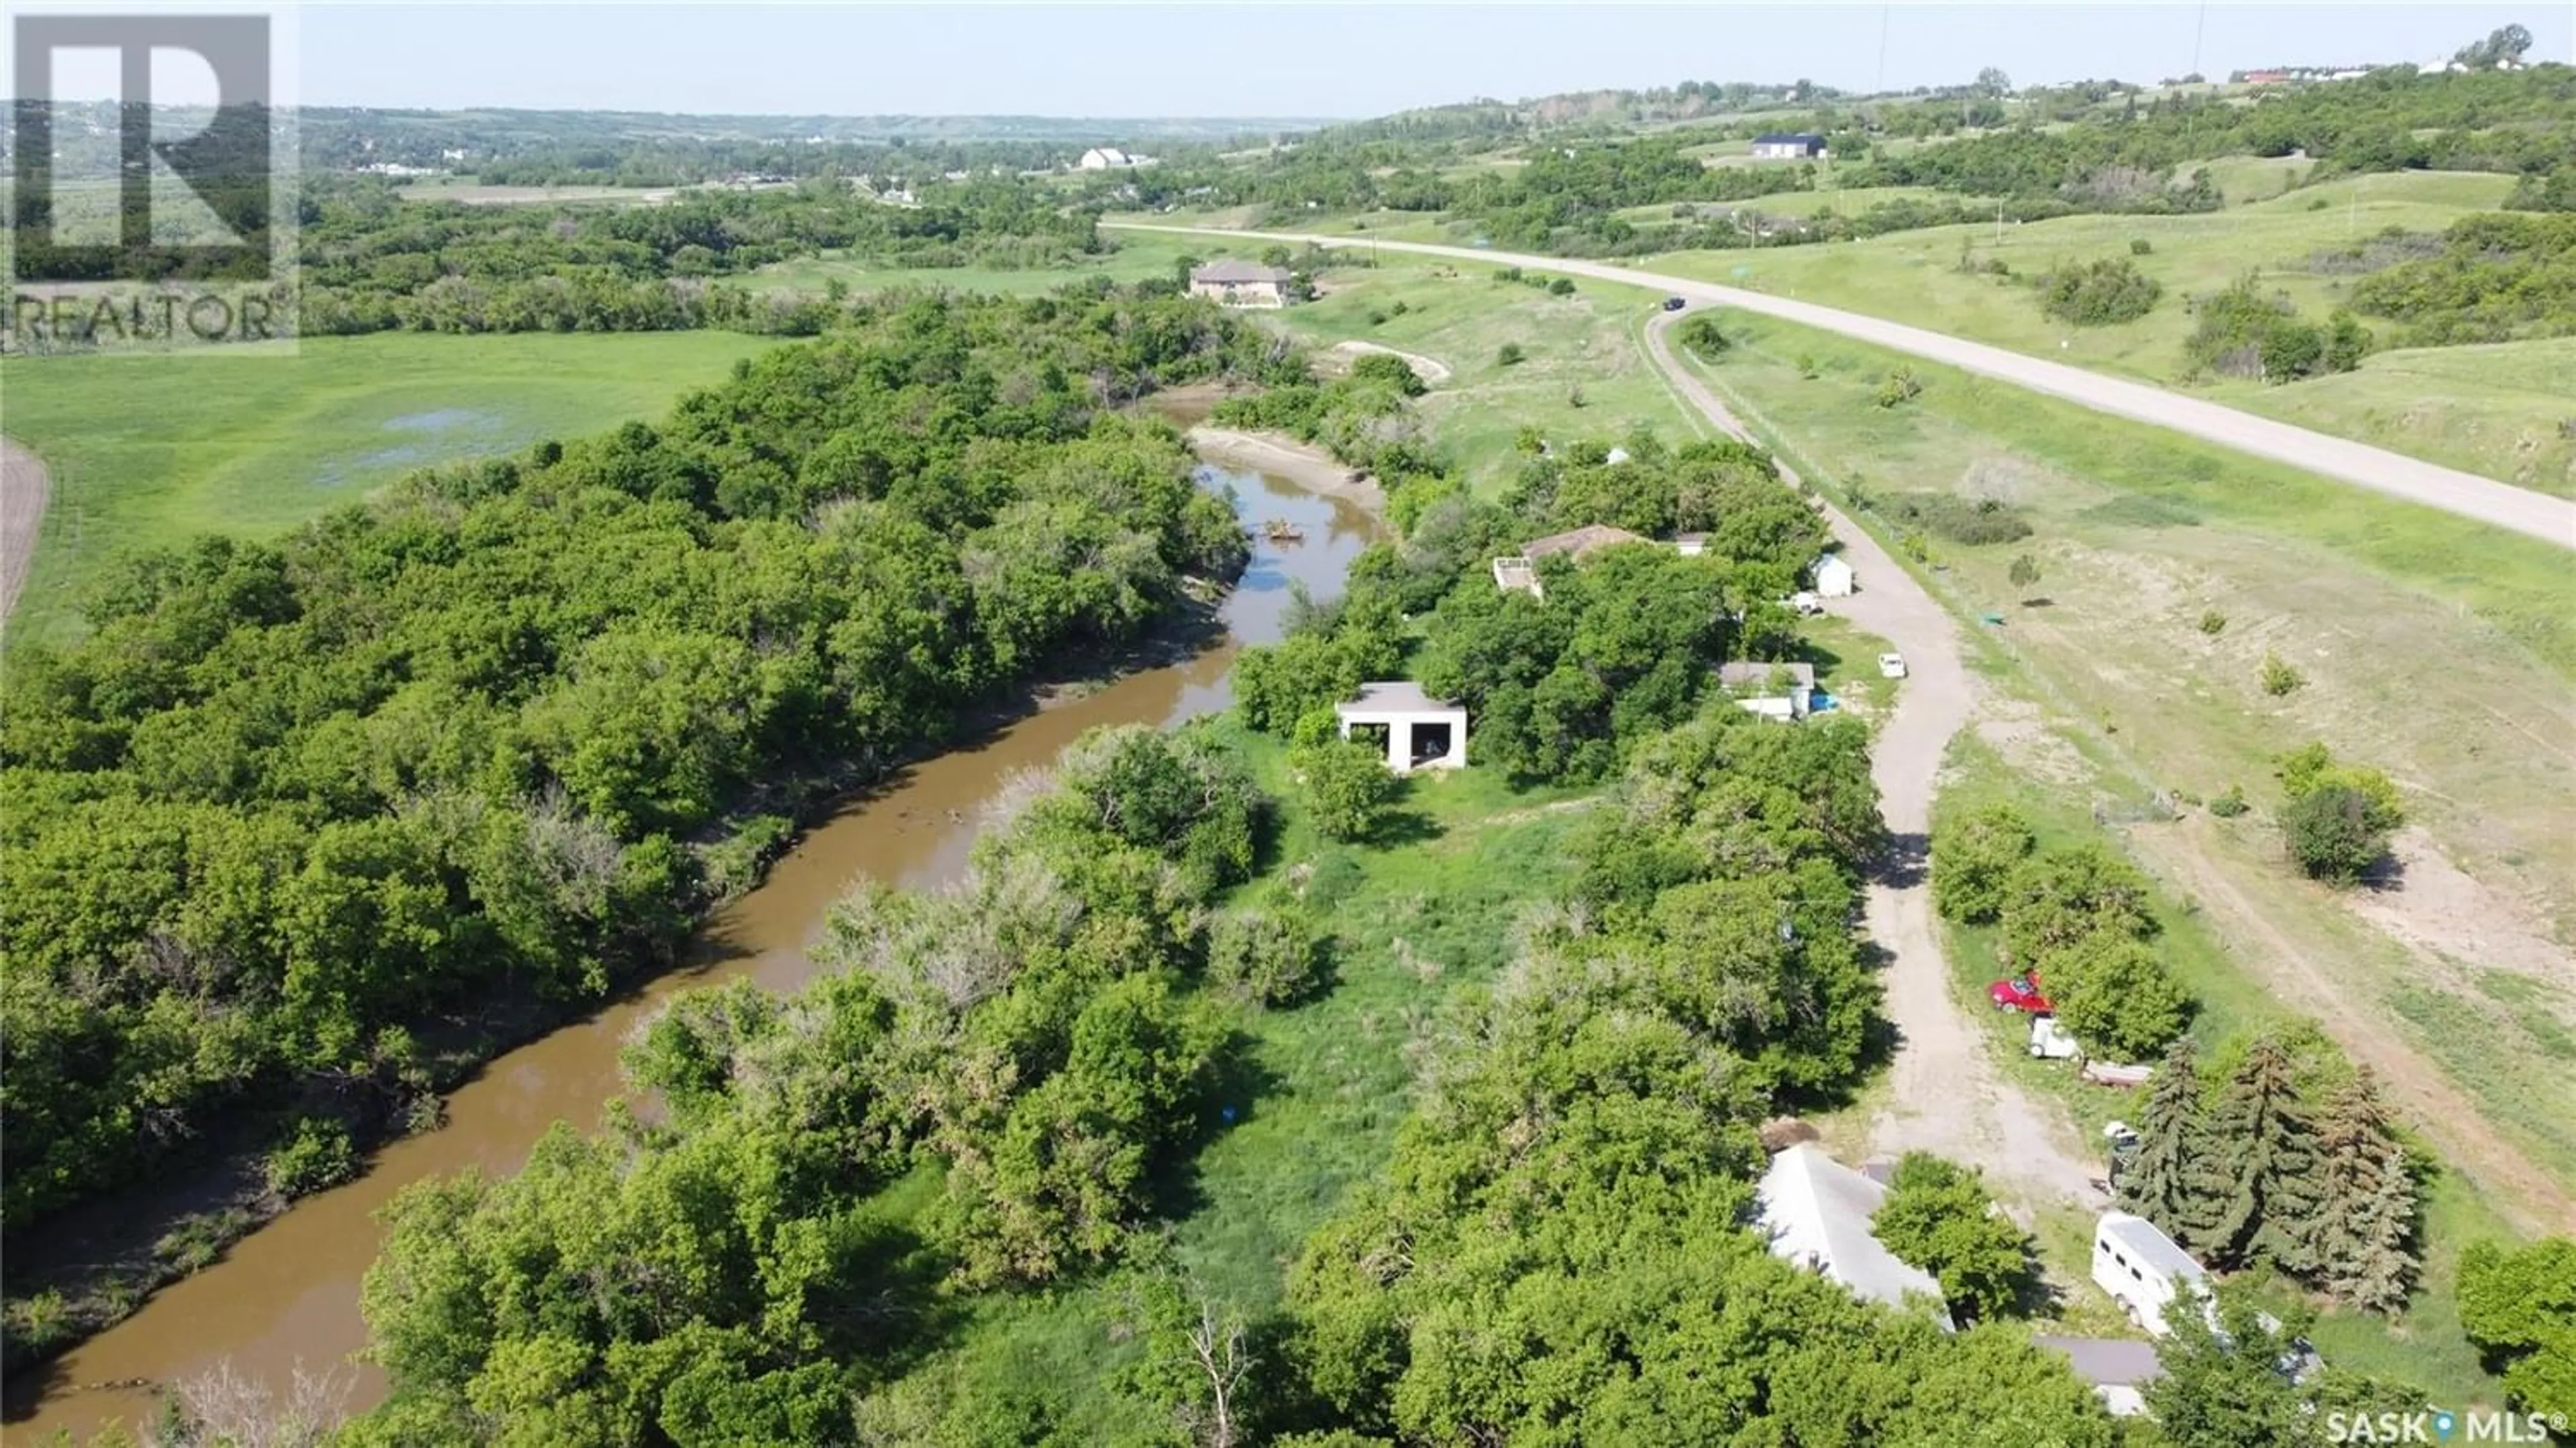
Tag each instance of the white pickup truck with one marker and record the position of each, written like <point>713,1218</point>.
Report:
<point>1891,666</point>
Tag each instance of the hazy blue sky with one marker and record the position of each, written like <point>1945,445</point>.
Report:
<point>1293,60</point>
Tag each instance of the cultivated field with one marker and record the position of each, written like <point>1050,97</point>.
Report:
<point>146,451</point>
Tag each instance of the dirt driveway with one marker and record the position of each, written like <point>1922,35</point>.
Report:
<point>24,490</point>
<point>1945,1095</point>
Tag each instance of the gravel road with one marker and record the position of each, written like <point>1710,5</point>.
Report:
<point>2466,494</point>
<point>1944,1093</point>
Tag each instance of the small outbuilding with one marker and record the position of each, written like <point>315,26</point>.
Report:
<point>1834,577</point>
<point>2118,1368</point>
<point>2144,1270</point>
<point>1421,732</point>
<point>1235,283</point>
<point>1816,1212</point>
<point>1105,158</point>
<point>1774,691</point>
<point>1788,146</point>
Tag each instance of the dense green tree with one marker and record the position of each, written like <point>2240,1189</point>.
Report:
<point>1346,787</point>
<point>1974,854</point>
<point>2116,996</point>
<point>1939,1217</point>
<point>2058,898</point>
<point>2519,1306</point>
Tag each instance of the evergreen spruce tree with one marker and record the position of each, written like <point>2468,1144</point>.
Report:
<point>2363,1244</point>
<point>2161,1183</point>
<point>2268,1148</point>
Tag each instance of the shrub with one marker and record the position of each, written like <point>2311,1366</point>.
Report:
<point>1267,955</point>
<point>1574,397</point>
<point>1703,335</point>
<point>1561,287</point>
<point>2278,677</point>
<point>1807,366</point>
<point>316,1156</point>
<point>2099,293</point>
<point>2246,332</point>
<point>1972,521</point>
<point>1900,386</point>
<point>1347,787</point>
<point>1398,308</point>
<point>2024,571</point>
<point>2212,622</point>
<point>1509,355</point>
<point>2329,834</point>
<point>1507,274</point>
<point>2140,246</point>
<point>2230,802</point>
<point>1973,854</point>
<point>1376,318</point>
<point>1389,370</point>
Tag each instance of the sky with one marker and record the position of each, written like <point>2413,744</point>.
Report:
<point>1296,60</point>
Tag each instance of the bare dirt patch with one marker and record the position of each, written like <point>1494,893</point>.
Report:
<point>2433,905</point>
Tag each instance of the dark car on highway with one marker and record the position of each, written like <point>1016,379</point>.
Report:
<point>1674,304</point>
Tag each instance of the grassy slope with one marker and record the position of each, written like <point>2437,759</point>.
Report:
<point>146,451</point>
<point>2490,410</point>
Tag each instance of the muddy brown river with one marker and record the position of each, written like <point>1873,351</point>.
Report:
<point>287,1296</point>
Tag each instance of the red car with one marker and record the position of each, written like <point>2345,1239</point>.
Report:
<point>2019,993</point>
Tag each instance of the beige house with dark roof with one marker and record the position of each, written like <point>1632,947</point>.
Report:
<point>1234,283</point>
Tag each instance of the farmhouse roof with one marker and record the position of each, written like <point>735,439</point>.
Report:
<point>1394,696</point>
<point>1233,269</point>
<point>1579,542</point>
<point>1788,138</point>
<point>1743,675</point>
<point>1817,1211</point>
<point>2145,1246</point>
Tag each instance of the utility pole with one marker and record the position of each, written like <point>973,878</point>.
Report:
<point>1999,221</point>
<point>2199,28</point>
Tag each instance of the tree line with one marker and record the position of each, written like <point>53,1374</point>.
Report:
<point>372,260</point>
<point>503,731</point>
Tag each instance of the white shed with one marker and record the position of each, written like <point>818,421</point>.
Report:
<point>2144,1270</point>
<point>1816,1212</point>
<point>1421,732</point>
<point>1834,577</point>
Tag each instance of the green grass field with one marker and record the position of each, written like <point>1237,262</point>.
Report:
<point>1915,276</point>
<point>1585,345</point>
<point>2507,410</point>
<point>146,451</point>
